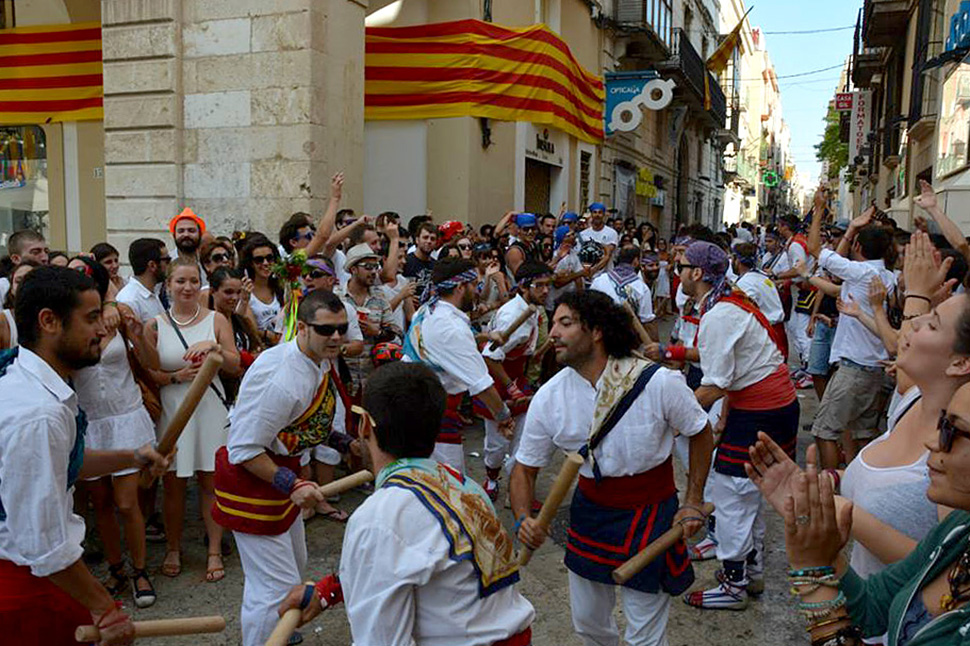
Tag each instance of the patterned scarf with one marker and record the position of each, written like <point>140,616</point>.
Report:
<point>448,284</point>
<point>465,514</point>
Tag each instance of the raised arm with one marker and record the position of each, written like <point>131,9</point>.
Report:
<point>329,219</point>
<point>927,201</point>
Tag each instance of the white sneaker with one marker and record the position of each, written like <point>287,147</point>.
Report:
<point>726,596</point>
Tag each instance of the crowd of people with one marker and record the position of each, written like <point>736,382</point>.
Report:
<point>351,342</point>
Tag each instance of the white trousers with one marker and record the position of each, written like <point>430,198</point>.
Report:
<point>797,328</point>
<point>740,519</point>
<point>451,454</point>
<point>272,565</point>
<point>498,448</point>
<point>592,606</point>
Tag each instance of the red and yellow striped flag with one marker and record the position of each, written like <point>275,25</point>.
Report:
<point>51,73</point>
<point>478,69</point>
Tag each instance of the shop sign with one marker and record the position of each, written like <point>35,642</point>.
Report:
<point>629,93</point>
<point>843,101</point>
<point>859,124</point>
<point>545,144</point>
<point>645,186</point>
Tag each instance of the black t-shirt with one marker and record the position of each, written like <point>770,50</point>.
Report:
<point>419,271</point>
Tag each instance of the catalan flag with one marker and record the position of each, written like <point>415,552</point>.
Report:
<point>479,69</point>
<point>51,73</point>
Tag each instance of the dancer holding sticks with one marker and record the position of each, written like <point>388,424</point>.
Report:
<point>46,591</point>
<point>620,413</point>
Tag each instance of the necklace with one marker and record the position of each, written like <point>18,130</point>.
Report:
<point>958,579</point>
<point>198,309</point>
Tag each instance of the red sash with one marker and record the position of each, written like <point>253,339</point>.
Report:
<point>245,503</point>
<point>35,611</point>
<point>740,299</point>
<point>523,638</point>
<point>629,492</point>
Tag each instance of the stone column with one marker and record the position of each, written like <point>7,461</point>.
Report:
<point>240,110</point>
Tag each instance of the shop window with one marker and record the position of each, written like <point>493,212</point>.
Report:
<point>23,181</point>
<point>954,122</point>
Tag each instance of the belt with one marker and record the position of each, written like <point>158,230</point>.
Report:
<point>849,363</point>
<point>523,638</point>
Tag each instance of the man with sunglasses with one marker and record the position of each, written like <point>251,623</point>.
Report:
<point>399,576</point>
<point>523,248</point>
<point>507,364</point>
<point>364,293</point>
<point>441,337</point>
<point>290,400</point>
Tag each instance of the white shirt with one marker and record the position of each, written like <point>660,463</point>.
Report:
<point>736,350</point>
<point>143,302</point>
<point>561,417</point>
<point>4,288</point>
<point>390,292</point>
<point>450,350</point>
<point>526,334</point>
<point>763,292</point>
<point>37,432</point>
<point>402,587</point>
<point>796,254</point>
<point>274,392</point>
<point>569,264</point>
<point>853,341</point>
<point>339,258</point>
<point>778,266</point>
<point>265,313</point>
<point>637,292</point>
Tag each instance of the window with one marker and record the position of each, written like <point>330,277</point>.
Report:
<point>954,128</point>
<point>23,181</point>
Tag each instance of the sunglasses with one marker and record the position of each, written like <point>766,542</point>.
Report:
<point>219,257</point>
<point>325,329</point>
<point>364,415</point>
<point>948,432</point>
<point>260,260</point>
<point>464,247</point>
<point>370,266</point>
<point>527,229</point>
<point>317,274</point>
<point>681,266</point>
<point>306,236</point>
<point>165,259</point>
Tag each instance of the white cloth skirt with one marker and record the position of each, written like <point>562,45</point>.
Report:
<point>662,286</point>
<point>120,433</point>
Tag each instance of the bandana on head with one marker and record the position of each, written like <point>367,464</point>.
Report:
<point>569,216</point>
<point>682,241</point>
<point>713,262</point>
<point>650,256</point>
<point>597,206</point>
<point>560,234</point>
<point>748,261</point>
<point>322,266</point>
<point>525,220</point>
<point>468,276</point>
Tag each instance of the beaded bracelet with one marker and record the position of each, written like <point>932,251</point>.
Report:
<point>283,480</point>
<point>820,570</point>
<point>839,600</point>
<point>827,622</point>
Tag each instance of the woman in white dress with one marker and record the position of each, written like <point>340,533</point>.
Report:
<point>661,292</point>
<point>184,336</point>
<point>117,419</point>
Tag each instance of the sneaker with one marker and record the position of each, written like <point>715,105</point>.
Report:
<point>295,638</point>
<point>756,583</point>
<point>704,550</point>
<point>804,383</point>
<point>491,489</point>
<point>726,596</point>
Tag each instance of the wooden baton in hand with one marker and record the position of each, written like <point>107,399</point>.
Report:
<point>648,554</point>
<point>211,366</point>
<point>161,628</point>
<point>289,622</point>
<point>346,483</point>
<point>567,474</point>
<point>510,330</point>
<point>637,325</point>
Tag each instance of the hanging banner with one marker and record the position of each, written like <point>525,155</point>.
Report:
<point>479,69</point>
<point>629,93</point>
<point>859,124</point>
<point>843,101</point>
<point>51,73</point>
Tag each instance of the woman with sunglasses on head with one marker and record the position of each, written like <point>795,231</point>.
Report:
<point>184,335</point>
<point>266,300</point>
<point>116,417</point>
<point>464,245</point>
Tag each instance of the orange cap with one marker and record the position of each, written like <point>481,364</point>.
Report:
<point>187,214</point>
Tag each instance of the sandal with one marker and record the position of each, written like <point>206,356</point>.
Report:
<point>118,579</point>
<point>334,514</point>
<point>213,574</point>
<point>172,567</point>
<point>143,598</point>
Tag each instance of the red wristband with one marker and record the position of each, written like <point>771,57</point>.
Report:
<point>329,590</point>
<point>676,353</point>
<point>302,483</point>
<point>111,617</point>
<point>246,358</point>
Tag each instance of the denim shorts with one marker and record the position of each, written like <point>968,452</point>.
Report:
<point>818,358</point>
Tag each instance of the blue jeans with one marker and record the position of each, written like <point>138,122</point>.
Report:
<point>818,358</point>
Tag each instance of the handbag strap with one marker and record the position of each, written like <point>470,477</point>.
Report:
<point>185,345</point>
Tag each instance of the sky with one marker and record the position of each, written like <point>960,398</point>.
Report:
<point>805,98</point>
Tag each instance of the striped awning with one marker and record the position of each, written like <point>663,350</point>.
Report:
<point>478,69</point>
<point>51,73</point>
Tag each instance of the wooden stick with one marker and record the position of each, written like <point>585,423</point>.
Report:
<point>203,378</point>
<point>346,483</point>
<point>516,324</point>
<point>567,474</point>
<point>161,628</point>
<point>645,337</point>
<point>287,623</point>
<point>648,554</point>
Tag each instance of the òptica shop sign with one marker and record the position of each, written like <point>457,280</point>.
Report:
<point>629,93</point>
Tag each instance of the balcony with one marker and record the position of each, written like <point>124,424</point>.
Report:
<point>687,68</point>
<point>648,27</point>
<point>866,64</point>
<point>885,22</point>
